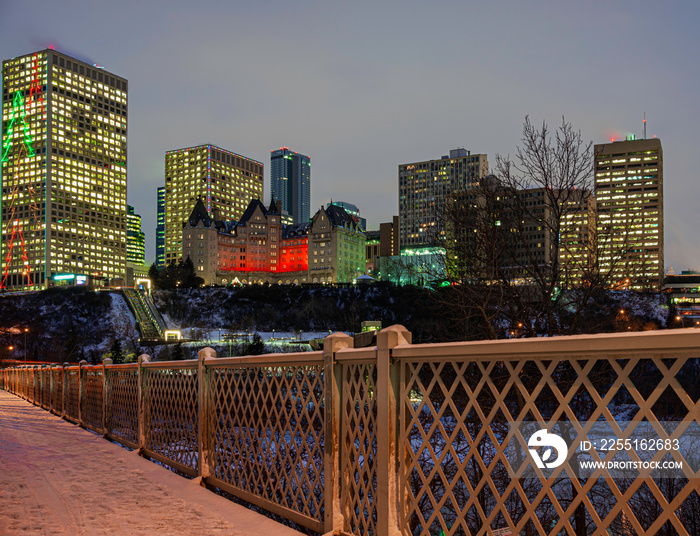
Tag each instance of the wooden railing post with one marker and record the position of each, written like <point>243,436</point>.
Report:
<point>204,439</point>
<point>387,498</point>
<point>81,391</point>
<point>142,395</point>
<point>106,397</point>
<point>64,395</point>
<point>333,522</point>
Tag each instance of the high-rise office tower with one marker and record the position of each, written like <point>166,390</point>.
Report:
<point>225,181</point>
<point>135,238</point>
<point>160,229</point>
<point>423,187</point>
<point>290,182</point>
<point>63,175</point>
<point>629,191</point>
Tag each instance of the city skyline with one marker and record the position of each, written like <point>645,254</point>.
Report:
<point>376,87</point>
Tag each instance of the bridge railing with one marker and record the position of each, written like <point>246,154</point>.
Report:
<point>402,438</point>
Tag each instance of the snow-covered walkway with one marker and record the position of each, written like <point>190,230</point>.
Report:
<point>58,479</point>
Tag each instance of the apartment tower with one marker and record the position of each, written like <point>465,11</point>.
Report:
<point>423,187</point>
<point>225,181</point>
<point>63,172</point>
<point>629,191</point>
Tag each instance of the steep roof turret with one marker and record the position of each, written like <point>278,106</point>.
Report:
<point>199,213</point>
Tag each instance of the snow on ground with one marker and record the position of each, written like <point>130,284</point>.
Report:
<point>58,479</point>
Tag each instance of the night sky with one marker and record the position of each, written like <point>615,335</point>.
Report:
<point>362,87</point>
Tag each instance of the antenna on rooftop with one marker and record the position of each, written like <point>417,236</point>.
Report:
<point>644,136</point>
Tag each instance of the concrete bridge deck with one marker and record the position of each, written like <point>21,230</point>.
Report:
<point>58,479</point>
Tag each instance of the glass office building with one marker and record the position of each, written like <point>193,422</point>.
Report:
<point>160,228</point>
<point>290,182</point>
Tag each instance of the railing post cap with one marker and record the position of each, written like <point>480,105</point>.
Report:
<point>337,341</point>
<point>108,361</point>
<point>204,353</point>
<point>82,362</point>
<point>394,336</point>
<point>144,358</point>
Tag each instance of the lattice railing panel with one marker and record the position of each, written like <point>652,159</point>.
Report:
<point>92,399</point>
<point>267,424</point>
<point>31,383</point>
<point>57,394</point>
<point>455,414</point>
<point>26,376</point>
<point>172,414</point>
<point>46,387</point>
<point>359,449</point>
<point>73,393</point>
<point>124,405</point>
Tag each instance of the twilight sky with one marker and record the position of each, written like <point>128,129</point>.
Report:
<point>362,87</point>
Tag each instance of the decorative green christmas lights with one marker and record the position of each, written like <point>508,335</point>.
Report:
<point>18,110</point>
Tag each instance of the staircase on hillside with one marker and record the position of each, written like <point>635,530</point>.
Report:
<point>148,319</point>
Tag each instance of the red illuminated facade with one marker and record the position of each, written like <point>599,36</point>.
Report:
<point>259,248</point>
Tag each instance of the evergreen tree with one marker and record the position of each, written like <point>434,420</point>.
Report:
<point>178,353</point>
<point>154,275</point>
<point>256,347</point>
<point>188,275</point>
<point>115,352</point>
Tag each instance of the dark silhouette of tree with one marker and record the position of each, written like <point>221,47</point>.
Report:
<point>175,275</point>
<point>178,353</point>
<point>256,346</point>
<point>115,352</point>
<point>522,254</point>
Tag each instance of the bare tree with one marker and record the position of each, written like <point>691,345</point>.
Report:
<point>522,250</point>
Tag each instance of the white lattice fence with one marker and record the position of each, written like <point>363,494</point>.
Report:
<point>411,439</point>
<point>56,386</point>
<point>45,375</point>
<point>71,384</point>
<point>172,414</point>
<point>359,448</point>
<point>123,404</point>
<point>266,427</point>
<point>457,403</point>
<point>92,401</point>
